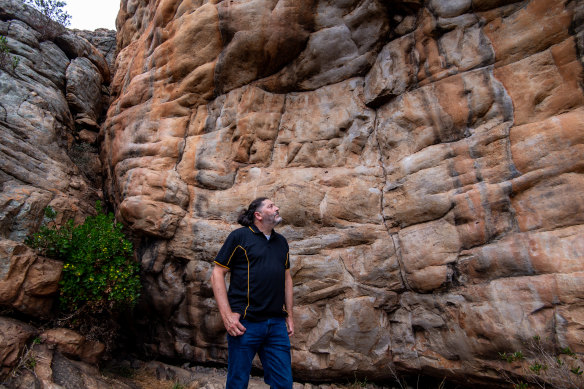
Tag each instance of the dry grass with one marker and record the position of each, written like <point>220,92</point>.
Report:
<point>142,379</point>
<point>145,379</point>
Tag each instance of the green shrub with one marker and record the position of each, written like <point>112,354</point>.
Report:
<point>99,270</point>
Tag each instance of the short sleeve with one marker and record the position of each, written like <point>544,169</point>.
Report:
<point>225,255</point>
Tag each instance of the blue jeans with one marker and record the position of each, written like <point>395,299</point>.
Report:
<point>269,339</point>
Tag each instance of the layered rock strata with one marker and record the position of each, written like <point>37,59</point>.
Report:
<point>50,106</point>
<point>426,156</point>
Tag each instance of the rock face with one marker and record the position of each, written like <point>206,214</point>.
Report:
<point>104,41</point>
<point>426,157</point>
<point>52,96</point>
<point>28,283</point>
<point>51,104</point>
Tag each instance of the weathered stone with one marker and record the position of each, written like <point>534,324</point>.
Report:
<point>104,41</point>
<point>37,124</point>
<point>450,8</point>
<point>534,28</point>
<point>426,157</point>
<point>46,367</point>
<point>260,38</point>
<point>345,42</point>
<point>13,337</point>
<point>73,345</point>
<point>88,136</point>
<point>28,283</point>
<point>84,89</point>
<point>394,72</point>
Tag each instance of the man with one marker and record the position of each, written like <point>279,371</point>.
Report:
<point>257,310</point>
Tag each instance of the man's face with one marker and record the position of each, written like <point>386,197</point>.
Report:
<point>270,213</point>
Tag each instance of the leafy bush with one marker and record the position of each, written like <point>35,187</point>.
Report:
<point>99,270</point>
<point>52,20</point>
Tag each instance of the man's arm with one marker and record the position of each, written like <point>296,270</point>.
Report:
<point>289,301</point>
<point>230,318</point>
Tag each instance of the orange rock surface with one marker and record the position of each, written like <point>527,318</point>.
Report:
<point>426,157</point>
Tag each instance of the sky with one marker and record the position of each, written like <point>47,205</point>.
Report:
<point>89,15</point>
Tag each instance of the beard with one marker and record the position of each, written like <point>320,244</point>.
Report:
<point>275,219</point>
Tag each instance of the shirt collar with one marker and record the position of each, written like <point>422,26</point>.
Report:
<point>256,230</point>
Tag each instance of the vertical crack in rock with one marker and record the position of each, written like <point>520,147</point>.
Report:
<point>347,271</point>
<point>184,142</point>
<point>282,111</point>
<point>393,236</point>
<point>504,99</point>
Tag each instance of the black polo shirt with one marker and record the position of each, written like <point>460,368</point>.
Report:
<point>258,268</point>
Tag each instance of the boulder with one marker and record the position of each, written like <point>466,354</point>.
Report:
<point>13,338</point>
<point>28,283</point>
<point>73,345</point>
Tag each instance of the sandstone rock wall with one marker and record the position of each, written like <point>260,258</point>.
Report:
<point>426,156</point>
<point>49,102</point>
<point>50,107</point>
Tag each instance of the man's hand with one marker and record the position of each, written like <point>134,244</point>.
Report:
<point>290,325</point>
<point>232,324</point>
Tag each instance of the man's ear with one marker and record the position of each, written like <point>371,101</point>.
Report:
<point>258,216</point>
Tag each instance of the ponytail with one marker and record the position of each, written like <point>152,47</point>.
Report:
<point>246,218</point>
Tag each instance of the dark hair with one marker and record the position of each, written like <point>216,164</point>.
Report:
<point>246,217</point>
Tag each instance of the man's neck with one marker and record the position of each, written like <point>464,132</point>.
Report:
<point>267,230</point>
